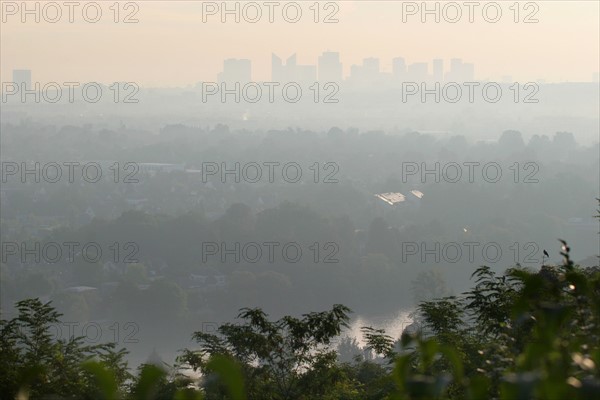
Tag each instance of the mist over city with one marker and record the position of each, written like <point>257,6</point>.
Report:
<point>300,200</point>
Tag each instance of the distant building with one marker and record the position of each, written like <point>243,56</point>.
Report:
<point>278,70</point>
<point>367,73</point>
<point>438,70</point>
<point>417,193</point>
<point>236,70</point>
<point>395,198</point>
<point>418,72</point>
<point>330,67</point>
<point>291,71</point>
<point>391,198</point>
<point>371,66</point>
<point>399,68</point>
<point>460,72</point>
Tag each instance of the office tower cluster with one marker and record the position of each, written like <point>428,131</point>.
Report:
<point>330,69</point>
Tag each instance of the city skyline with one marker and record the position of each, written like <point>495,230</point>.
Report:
<point>329,68</point>
<point>179,48</point>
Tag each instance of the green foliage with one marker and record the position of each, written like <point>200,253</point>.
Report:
<point>522,335</point>
<point>277,358</point>
<point>429,285</point>
<point>230,373</point>
<point>33,362</point>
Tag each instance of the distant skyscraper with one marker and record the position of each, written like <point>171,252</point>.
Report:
<point>22,76</point>
<point>460,72</point>
<point>367,73</point>
<point>276,67</point>
<point>371,66</point>
<point>418,72</point>
<point>330,67</point>
<point>279,71</point>
<point>399,68</point>
<point>291,71</point>
<point>236,70</point>
<point>455,65</point>
<point>438,70</point>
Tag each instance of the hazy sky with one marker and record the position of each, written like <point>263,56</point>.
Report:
<point>172,46</point>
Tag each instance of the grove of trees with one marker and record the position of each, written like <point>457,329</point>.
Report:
<point>522,334</point>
